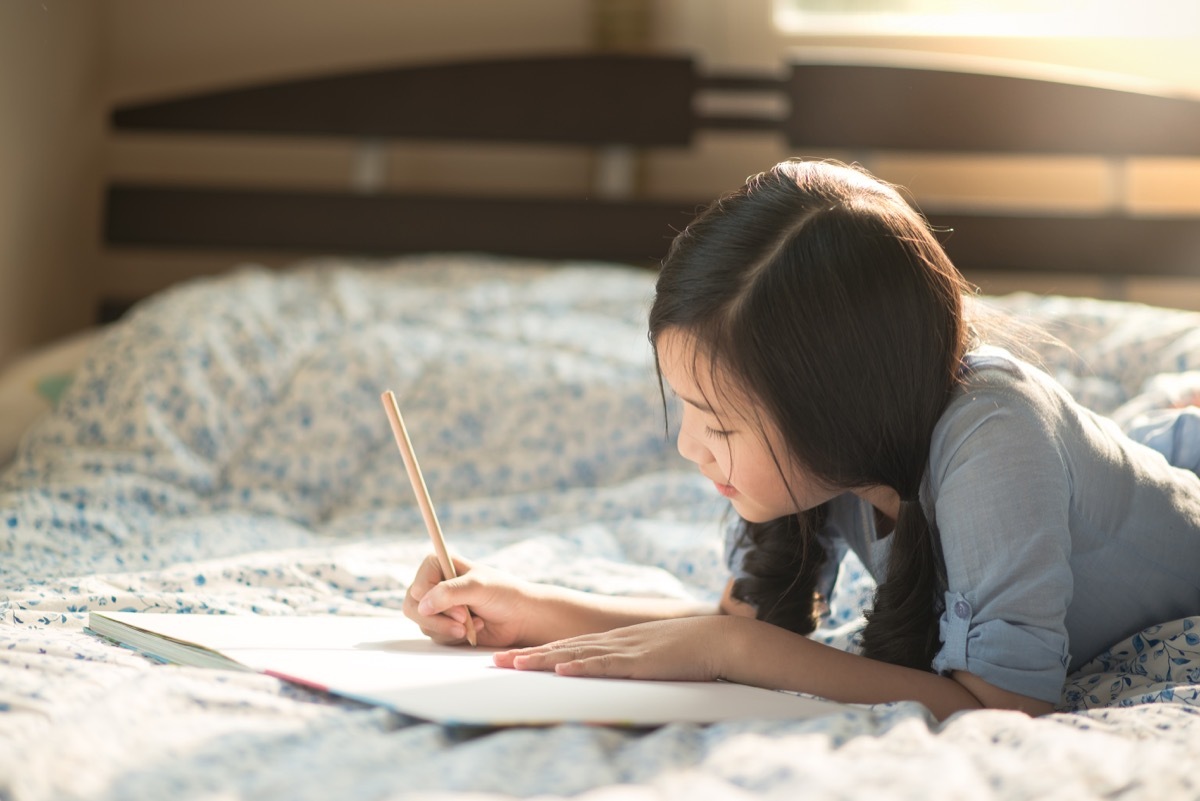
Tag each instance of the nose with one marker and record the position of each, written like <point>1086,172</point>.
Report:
<point>692,449</point>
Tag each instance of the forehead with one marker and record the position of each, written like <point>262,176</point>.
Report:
<point>693,374</point>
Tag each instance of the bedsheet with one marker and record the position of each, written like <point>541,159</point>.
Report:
<point>223,450</point>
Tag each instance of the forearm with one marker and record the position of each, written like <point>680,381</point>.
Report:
<point>641,638</point>
<point>569,613</point>
<point>763,655</point>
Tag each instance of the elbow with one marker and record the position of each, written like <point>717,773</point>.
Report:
<point>988,696</point>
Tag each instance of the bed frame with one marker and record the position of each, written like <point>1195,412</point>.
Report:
<point>621,104</point>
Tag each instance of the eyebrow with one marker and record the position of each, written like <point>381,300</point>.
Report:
<point>704,407</point>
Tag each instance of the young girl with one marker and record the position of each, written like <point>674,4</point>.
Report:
<point>834,391</point>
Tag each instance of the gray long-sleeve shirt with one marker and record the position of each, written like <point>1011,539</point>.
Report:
<point>1061,535</point>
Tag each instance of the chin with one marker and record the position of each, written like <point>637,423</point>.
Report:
<point>754,515</point>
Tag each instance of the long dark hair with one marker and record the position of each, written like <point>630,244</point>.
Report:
<point>819,292</point>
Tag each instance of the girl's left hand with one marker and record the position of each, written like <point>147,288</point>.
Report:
<point>684,649</point>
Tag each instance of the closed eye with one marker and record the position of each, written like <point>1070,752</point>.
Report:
<point>718,433</point>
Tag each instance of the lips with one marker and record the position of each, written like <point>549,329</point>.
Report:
<point>728,490</point>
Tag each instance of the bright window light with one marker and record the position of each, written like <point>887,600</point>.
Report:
<point>1033,18</point>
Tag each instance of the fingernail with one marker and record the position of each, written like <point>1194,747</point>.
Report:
<point>425,607</point>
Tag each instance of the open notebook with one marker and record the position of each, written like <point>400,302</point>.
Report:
<point>386,661</point>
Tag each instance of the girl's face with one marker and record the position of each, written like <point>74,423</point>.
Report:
<point>732,443</point>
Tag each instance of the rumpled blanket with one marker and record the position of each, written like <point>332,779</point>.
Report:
<point>223,451</point>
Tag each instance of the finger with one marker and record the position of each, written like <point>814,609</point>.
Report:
<point>446,595</point>
<point>546,657</point>
<point>505,659</point>
<point>455,633</point>
<point>444,627</point>
<point>429,575</point>
<point>508,659</point>
<point>541,660</point>
<point>426,579</point>
<point>443,630</point>
<point>409,607</point>
<point>602,665</point>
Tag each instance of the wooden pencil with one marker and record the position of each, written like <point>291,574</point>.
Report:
<point>423,500</point>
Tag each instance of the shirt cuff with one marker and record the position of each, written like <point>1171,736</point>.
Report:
<point>1020,659</point>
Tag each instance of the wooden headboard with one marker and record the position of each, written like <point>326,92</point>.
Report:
<point>622,104</point>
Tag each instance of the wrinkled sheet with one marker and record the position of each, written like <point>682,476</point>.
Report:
<point>223,450</point>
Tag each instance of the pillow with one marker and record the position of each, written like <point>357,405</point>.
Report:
<point>33,384</point>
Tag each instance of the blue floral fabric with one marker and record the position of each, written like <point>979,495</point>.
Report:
<point>223,450</point>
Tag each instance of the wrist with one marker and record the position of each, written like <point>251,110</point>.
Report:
<point>727,645</point>
<point>552,613</point>
<point>748,651</point>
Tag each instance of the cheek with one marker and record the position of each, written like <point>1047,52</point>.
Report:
<point>753,475</point>
<point>755,472</point>
<point>740,468</point>
<point>728,459</point>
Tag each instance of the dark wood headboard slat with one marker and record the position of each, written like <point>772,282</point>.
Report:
<point>741,82</point>
<point>634,232</point>
<point>649,100</point>
<point>640,101</point>
<point>582,99</point>
<point>725,121</point>
<point>902,108</point>
<point>1103,245</point>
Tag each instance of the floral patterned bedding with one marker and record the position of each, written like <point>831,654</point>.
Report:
<point>222,450</point>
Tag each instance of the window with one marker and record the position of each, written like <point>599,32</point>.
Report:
<point>1026,18</point>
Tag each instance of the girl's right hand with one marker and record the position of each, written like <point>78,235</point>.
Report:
<point>502,605</point>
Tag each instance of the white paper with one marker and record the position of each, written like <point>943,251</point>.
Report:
<point>386,661</point>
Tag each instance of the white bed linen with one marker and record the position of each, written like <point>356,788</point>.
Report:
<point>223,450</point>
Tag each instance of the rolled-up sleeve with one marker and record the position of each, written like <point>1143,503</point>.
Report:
<point>1002,510</point>
<point>1023,659</point>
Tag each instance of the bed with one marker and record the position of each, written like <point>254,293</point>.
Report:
<point>220,449</point>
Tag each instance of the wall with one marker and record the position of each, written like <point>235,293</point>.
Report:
<point>159,48</point>
<point>63,62</point>
<point>50,159</point>
<point>163,48</point>
<point>734,35</point>
<point>741,33</point>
